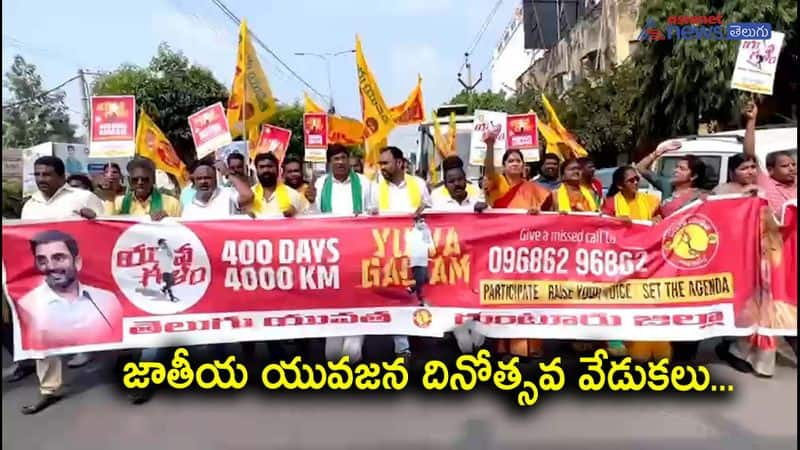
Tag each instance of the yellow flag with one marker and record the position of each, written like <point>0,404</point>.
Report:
<point>153,145</point>
<point>433,168</point>
<point>411,111</point>
<point>310,105</point>
<point>576,150</point>
<point>375,114</point>
<point>253,136</point>
<point>552,139</point>
<point>451,136</point>
<point>438,139</point>
<point>251,99</point>
<point>345,130</point>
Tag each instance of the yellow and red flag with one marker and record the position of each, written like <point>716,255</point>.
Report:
<point>377,117</point>
<point>412,111</point>
<point>568,139</point>
<point>251,102</point>
<point>153,145</point>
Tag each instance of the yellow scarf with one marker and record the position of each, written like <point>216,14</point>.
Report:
<point>563,199</point>
<point>281,193</point>
<point>472,191</point>
<point>621,208</point>
<point>414,196</point>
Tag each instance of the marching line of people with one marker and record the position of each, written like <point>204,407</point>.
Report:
<point>562,186</point>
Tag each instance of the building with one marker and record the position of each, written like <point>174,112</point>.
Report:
<point>510,58</point>
<point>591,36</point>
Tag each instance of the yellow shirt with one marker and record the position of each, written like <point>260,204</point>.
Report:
<point>172,206</point>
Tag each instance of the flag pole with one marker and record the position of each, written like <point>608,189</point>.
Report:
<point>245,136</point>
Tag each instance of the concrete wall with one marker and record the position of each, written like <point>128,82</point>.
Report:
<point>599,41</point>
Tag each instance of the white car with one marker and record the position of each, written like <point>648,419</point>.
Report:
<point>716,149</point>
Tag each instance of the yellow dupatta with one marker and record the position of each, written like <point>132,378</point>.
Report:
<point>472,191</point>
<point>564,203</point>
<point>281,194</point>
<point>621,208</point>
<point>414,195</point>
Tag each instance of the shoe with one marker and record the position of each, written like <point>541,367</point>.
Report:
<point>79,360</point>
<point>17,372</point>
<point>44,402</point>
<point>424,303</point>
<point>139,396</point>
<point>723,353</point>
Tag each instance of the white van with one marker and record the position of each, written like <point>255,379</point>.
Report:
<point>716,149</point>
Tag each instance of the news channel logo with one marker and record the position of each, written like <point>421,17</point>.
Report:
<point>713,28</point>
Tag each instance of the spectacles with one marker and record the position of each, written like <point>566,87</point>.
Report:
<point>633,180</point>
<point>140,179</point>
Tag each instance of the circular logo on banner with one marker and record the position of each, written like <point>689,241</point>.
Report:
<point>161,268</point>
<point>422,318</point>
<point>690,244</point>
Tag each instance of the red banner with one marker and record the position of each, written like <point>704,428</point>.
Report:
<point>102,285</point>
<point>315,136</point>
<point>782,258</point>
<point>209,129</point>
<point>113,126</point>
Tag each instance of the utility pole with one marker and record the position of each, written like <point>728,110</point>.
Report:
<point>87,116</point>
<point>469,86</point>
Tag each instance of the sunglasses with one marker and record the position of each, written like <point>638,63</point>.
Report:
<point>140,179</point>
<point>633,180</point>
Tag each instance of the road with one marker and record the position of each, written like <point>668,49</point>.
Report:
<point>760,413</point>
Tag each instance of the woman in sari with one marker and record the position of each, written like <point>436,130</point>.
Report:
<point>757,353</point>
<point>625,201</point>
<point>684,187</point>
<point>509,189</point>
<point>573,196</point>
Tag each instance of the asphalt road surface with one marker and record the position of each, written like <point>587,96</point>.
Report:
<point>759,414</point>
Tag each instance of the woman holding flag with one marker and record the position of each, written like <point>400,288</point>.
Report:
<point>509,189</point>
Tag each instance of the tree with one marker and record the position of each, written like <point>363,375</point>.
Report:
<point>685,81</point>
<point>597,111</point>
<point>488,100</point>
<point>32,115</point>
<point>169,89</point>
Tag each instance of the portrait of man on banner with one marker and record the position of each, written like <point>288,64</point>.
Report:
<point>61,311</point>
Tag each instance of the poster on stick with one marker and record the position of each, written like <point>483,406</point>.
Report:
<point>523,135</point>
<point>209,129</point>
<point>315,136</point>
<point>483,121</point>
<point>113,126</point>
<point>756,63</point>
<point>273,139</point>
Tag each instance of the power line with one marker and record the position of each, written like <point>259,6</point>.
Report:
<point>485,25</point>
<point>42,95</point>
<point>479,35</point>
<point>237,21</point>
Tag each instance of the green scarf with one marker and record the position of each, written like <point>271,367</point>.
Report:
<point>156,202</point>
<point>355,191</point>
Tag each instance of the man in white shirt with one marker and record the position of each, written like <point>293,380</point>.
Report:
<point>212,201</point>
<point>61,311</point>
<point>457,194</point>
<point>54,200</point>
<point>341,191</point>
<point>398,192</point>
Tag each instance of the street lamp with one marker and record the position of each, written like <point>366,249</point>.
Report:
<point>326,57</point>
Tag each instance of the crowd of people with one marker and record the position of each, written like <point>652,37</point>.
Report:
<point>279,188</point>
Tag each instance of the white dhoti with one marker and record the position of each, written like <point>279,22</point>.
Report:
<point>468,338</point>
<point>336,347</point>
